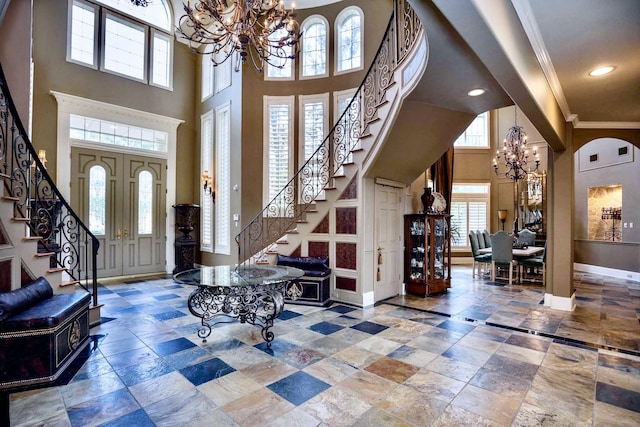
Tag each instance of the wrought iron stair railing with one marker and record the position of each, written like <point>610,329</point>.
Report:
<point>60,233</point>
<point>290,205</point>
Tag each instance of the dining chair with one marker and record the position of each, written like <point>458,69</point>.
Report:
<point>487,238</point>
<point>536,262</point>
<point>479,260</point>
<point>527,237</point>
<point>502,253</point>
<point>479,239</point>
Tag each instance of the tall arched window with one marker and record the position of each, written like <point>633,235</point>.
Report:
<point>349,39</point>
<point>97,199</point>
<point>314,47</point>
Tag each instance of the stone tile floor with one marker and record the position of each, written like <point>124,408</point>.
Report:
<point>483,354</point>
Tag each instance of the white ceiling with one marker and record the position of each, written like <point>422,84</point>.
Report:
<point>572,37</point>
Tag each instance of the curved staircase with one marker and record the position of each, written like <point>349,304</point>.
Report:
<point>40,235</point>
<point>351,143</point>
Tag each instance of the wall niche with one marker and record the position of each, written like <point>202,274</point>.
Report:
<point>605,213</point>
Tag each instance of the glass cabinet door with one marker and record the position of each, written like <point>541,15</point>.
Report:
<point>439,238</point>
<point>417,243</point>
<point>427,258</point>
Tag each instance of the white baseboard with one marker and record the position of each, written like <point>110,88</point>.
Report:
<point>560,303</point>
<point>368,299</point>
<point>605,271</point>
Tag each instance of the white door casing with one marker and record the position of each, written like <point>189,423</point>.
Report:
<point>131,242</point>
<point>388,235</point>
<point>70,104</point>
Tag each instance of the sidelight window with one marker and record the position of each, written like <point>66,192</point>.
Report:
<point>97,199</point>
<point>145,203</point>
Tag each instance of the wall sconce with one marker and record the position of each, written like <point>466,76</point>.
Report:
<point>207,185</point>
<point>502,216</point>
<point>42,156</point>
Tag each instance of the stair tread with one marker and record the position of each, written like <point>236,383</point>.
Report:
<point>34,238</point>
<point>56,270</point>
<point>16,219</point>
<point>10,198</point>
<point>70,283</point>
<point>44,254</point>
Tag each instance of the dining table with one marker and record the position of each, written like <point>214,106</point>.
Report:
<point>519,252</point>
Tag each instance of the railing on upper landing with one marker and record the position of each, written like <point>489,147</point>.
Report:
<point>336,150</point>
<point>40,205</point>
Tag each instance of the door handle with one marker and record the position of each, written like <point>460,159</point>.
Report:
<point>118,234</point>
<point>126,233</point>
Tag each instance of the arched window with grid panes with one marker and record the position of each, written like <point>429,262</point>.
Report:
<point>349,40</point>
<point>314,47</point>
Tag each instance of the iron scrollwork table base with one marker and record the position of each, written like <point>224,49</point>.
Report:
<point>253,295</point>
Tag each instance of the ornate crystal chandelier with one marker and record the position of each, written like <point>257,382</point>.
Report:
<point>515,155</point>
<point>260,29</point>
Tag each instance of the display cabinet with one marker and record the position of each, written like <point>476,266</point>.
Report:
<point>427,253</point>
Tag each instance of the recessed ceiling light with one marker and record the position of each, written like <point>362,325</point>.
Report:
<point>476,92</point>
<point>601,71</point>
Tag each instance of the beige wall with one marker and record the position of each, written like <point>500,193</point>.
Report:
<point>15,55</point>
<point>254,88</point>
<point>232,95</point>
<point>53,72</point>
<point>621,255</point>
<point>475,165</point>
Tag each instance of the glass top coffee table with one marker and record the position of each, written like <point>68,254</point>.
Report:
<point>252,294</point>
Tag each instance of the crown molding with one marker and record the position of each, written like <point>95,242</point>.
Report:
<point>531,29</point>
<point>606,125</point>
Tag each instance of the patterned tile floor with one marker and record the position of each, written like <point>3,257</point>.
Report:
<point>483,354</point>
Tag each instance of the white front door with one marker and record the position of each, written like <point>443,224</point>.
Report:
<point>121,198</point>
<point>389,209</point>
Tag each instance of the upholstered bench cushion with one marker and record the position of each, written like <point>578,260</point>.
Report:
<point>48,313</point>
<point>18,300</point>
<point>312,266</point>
